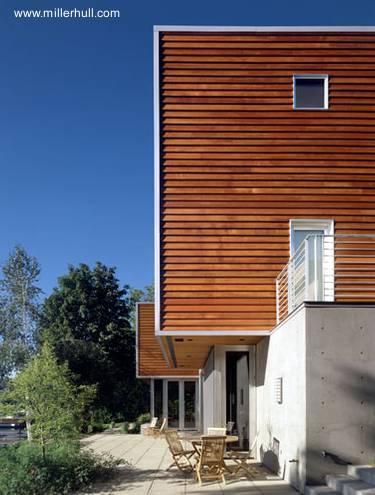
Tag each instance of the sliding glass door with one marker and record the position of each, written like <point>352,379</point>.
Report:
<point>190,401</point>
<point>181,403</point>
<point>173,404</point>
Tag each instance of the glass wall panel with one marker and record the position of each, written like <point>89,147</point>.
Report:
<point>189,398</point>
<point>173,404</point>
<point>158,398</point>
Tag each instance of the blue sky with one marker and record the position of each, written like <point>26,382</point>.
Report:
<point>76,138</point>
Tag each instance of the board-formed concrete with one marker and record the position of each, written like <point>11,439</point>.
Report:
<point>146,473</point>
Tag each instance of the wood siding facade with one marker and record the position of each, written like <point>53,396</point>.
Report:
<point>150,359</point>
<point>237,162</point>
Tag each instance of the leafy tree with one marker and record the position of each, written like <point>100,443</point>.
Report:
<point>45,393</point>
<point>19,308</point>
<point>86,320</point>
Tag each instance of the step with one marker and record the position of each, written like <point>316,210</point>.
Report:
<point>359,488</point>
<point>320,490</point>
<point>365,473</point>
<point>337,481</point>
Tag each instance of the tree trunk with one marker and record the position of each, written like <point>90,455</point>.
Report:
<point>28,430</point>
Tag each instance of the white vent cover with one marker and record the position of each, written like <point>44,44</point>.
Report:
<point>279,390</point>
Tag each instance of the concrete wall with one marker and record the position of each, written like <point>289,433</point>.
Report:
<point>282,427</point>
<point>340,386</point>
<point>325,355</point>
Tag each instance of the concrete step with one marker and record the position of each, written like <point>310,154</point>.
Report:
<point>359,488</point>
<point>349,485</point>
<point>337,481</point>
<point>365,473</point>
<point>320,490</point>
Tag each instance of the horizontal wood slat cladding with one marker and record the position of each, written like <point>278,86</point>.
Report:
<point>237,162</point>
<point>150,357</point>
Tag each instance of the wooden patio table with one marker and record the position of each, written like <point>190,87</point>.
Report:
<point>196,441</point>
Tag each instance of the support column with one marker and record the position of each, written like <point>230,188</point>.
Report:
<point>152,397</point>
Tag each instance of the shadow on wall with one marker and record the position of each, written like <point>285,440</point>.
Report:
<point>290,469</point>
<point>262,357</point>
<point>356,442</point>
<point>361,386</point>
<point>269,453</point>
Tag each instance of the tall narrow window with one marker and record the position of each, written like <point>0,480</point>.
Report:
<point>310,92</point>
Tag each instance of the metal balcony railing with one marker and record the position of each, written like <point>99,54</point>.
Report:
<point>327,268</point>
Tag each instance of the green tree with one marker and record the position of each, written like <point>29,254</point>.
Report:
<point>19,309</point>
<point>44,391</point>
<point>86,320</point>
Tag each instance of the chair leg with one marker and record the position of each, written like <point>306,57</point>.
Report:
<point>199,478</point>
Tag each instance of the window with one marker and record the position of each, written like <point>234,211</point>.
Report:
<point>312,249</point>
<point>310,92</point>
<point>302,228</point>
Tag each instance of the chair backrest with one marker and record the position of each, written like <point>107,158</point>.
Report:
<point>213,448</point>
<point>230,426</point>
<point>216,431</point>
<point>163,425</point>
<point>174,442</point>
<point>154,422</point>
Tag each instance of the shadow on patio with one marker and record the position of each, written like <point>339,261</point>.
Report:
<point>146,474</point>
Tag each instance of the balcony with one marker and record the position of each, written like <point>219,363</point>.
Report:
<point>327,268</point>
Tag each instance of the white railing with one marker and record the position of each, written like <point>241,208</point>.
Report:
<point>327,268</point>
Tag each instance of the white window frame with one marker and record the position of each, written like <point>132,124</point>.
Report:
<point>327,225</point>
<point>181,397</point>
<point>328,267</point>
<point>325,78</point>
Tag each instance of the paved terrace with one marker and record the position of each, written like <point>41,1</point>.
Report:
<point>149,459</point>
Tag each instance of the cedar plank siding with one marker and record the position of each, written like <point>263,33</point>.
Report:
<point>150,358</point>
<point>237,162</point>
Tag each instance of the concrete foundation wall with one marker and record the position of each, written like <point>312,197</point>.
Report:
<point>282,426</point>
<point>340,387</point>
<point>325,356</point>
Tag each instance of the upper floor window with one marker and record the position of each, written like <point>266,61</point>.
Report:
<point>310,92</point>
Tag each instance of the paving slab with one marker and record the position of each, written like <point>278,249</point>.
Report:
<point>145,471</point>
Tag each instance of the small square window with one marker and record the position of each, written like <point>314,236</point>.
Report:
<point>310,92</point>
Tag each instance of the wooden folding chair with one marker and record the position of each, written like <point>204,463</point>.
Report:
<point>211,464</point>
<point>241,459</point>
<point>150,429</point>
<point>157,432</point>
<point>181,456</point>
<point>218,432</point>
<point>230,426</point>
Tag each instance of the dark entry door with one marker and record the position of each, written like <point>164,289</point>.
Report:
<point>237,385</point>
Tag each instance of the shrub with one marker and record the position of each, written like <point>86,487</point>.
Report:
<point>143,418</point>
<point>99,421</point>
<point>24,471</point>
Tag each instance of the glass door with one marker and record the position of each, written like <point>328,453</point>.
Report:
<point>237,394</point>
<point>189,405</point>
<point>173,404</point>
<point>313,256</point>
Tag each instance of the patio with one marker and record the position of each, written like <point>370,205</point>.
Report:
<point>149,459</point>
